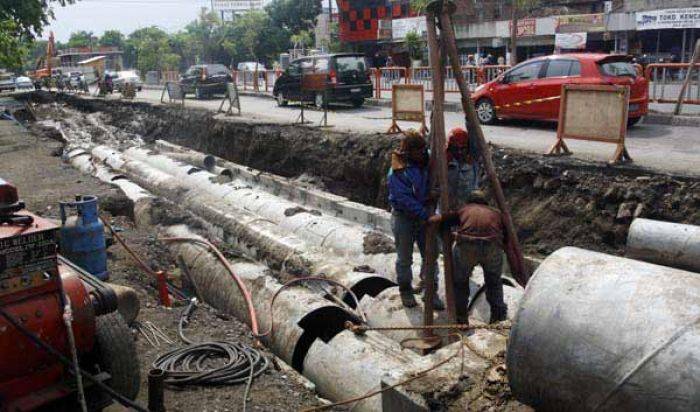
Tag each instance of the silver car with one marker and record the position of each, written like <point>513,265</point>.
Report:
<point>119,79</point>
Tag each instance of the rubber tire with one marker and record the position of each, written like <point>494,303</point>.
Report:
<point>281,101</point>
<point>633,121</point>
<point>115,353</point>
<point>320,102</point>
<point>493,118</point>
<point>357,103</point>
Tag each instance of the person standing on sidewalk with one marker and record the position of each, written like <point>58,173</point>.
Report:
<point>479,240</point>
<point>409,192</point>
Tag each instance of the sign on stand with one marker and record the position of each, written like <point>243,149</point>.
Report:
<point>407,105</point>
<point>596,113</point>
<point>175,93</point>
<point>232,98</point>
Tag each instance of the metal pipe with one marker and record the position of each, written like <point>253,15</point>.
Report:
<point>664,243</point>
<point>156,398</point>
<point>601,332</point>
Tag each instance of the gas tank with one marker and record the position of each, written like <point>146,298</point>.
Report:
<point>82,236</point>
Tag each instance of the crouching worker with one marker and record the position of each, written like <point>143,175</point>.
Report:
<point>479,240</point>
<point>408,186</point>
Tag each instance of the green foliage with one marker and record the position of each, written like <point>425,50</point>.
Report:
<point>523,7</point>
<point>301,40</point>
<point>293,15</point>
<point>112,38</point>
<point>414,44</point>
<point>12,49</point>
<point>419,6</point>
<point>151,50</point>
<point>82,39</point>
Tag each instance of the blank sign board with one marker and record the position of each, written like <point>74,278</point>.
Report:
<point>407,104</point>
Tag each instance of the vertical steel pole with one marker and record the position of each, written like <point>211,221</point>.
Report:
<point>513,252</point>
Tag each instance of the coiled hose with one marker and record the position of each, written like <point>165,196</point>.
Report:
<point>211,363</point>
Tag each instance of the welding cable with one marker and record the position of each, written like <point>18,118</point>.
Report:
<point>241,286</point>
<point>299,280</point>
<point>126,402</point>
<point>133,254</point>
<point>190,365</point>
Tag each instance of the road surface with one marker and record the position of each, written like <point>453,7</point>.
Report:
<point>672,149</point>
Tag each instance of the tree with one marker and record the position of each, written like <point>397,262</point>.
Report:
<point>81,38</point>
<point>518,9</point>
<point>152,50</point>
<point>414,44</point>
<point>20,22</point>
<point>112,38</point>
<point>419,6</point>
<point>301,40</point>
<point>294,15</point>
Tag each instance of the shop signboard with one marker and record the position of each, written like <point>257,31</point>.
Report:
<point>526,27</point>
<point>570,41</point>
<point>401,27</point>
<point>579,23</point>
<point>669,19</point>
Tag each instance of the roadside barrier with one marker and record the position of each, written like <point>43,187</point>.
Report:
<point>666,81</point>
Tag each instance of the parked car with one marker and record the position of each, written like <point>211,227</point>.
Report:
<point>7,82</point>
<point>127,76</point>
<point>543,77</point>
<point>250,66</point>
<point>205,80</point>
<point>23,82</point>
<point>346,76</point>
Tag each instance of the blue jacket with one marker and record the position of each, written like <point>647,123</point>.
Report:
<point>408,190</point>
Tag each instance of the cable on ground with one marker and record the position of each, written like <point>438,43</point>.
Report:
<point>194,364</point>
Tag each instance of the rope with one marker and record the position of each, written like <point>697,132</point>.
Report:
<point>192,365</point>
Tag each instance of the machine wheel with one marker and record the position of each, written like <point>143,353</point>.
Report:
<point>633,121</point>
<point>320,101</point>
<point>485,111</point>
<point>281,101</point>
<point>115,353</point>
<point>357,103</point>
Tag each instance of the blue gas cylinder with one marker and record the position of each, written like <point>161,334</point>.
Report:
<point>82,236</point>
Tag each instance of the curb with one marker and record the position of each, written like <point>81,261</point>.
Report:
<point>672,120</point>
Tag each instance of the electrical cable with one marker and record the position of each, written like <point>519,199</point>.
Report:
<point>195,364</point>
<point>69,365</point>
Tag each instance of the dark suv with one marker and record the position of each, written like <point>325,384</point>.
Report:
<point>205,80</point>
<point>346,77</point>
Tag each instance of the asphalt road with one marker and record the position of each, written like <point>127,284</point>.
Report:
<point>671,149</point>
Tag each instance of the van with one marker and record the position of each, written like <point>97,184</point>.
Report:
<point>325,79</point>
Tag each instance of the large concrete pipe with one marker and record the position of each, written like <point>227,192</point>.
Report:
<point>601,332</point>
<point>665,243</point>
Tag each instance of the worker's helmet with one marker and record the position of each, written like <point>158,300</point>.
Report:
<point>477,196</point>
<point>458,137</point>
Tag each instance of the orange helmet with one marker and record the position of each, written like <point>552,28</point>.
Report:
<point>458,137</point>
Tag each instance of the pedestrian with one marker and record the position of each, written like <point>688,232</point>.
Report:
<point>501,61</point>
<point>462,169</point>
<point>479,240</point>
<point>470,60</point>
<point>409,193</point>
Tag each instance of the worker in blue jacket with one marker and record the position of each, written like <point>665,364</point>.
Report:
<point>409,193</point>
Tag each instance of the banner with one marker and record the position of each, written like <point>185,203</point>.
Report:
<point>237,6</point>
<point>580,23</point>
<point>669,19</point>
<point>570,41</point>
<point>526,27</point>
<point>401,27</point>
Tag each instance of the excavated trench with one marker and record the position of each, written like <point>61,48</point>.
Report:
<point>555,202</point>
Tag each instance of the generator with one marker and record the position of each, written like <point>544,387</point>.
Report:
<point>36,287</point>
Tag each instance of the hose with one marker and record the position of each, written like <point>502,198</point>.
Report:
<point>190,365</point>
<point>69,365</point>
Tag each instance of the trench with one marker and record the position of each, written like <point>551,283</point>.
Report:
<point>555,202</point>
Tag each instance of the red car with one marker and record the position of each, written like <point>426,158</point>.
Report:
<point>513,94</point>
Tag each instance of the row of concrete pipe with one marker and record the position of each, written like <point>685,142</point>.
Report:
<point>593,331</point>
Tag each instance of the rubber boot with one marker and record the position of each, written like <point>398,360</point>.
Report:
<point>498,314</point>
<point>407,298</point>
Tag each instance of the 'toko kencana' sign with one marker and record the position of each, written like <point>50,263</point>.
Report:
<point>669,19</point>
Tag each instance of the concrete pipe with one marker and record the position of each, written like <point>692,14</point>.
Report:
<point>601,332</point>
<point>665,243</point>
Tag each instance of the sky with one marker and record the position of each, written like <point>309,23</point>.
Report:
<point>123,15</point>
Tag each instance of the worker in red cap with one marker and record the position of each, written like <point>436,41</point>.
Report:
<point>462,168</point>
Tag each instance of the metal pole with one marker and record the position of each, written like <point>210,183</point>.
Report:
<point>688,76</point>
<point>513,252</point>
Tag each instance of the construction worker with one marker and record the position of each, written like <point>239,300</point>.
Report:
<point>479,240</point>
<point>462,169</point>
<point>408,186</point>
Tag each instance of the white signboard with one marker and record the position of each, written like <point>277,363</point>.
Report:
<point>570,41</point>
<point>401,27</point>
<point>237,6</point>
<point>668,19</point>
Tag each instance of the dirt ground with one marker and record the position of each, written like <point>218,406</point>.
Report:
<point>34,165</point>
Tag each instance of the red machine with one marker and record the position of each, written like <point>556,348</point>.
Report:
<point>35,284</point>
